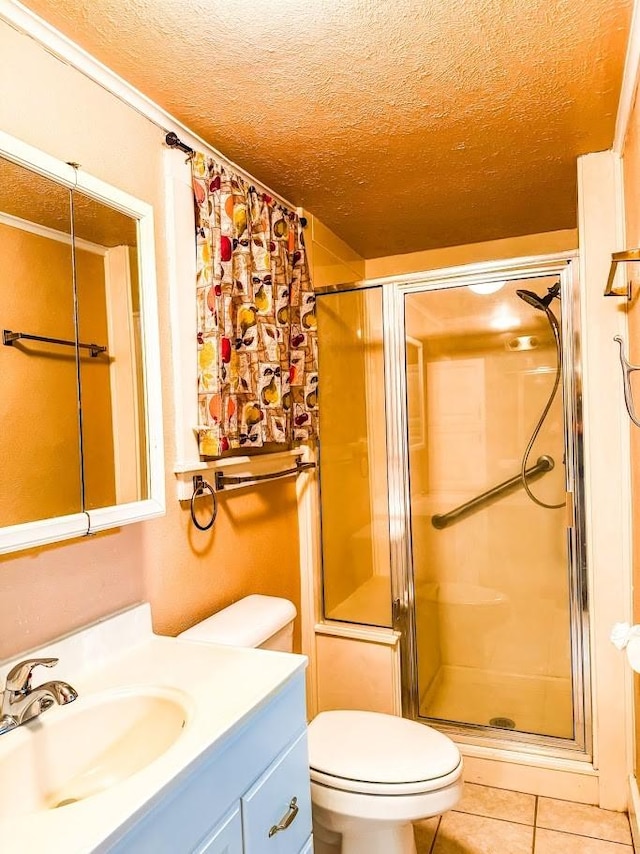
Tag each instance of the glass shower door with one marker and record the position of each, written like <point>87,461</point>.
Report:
<point>492,588</point>
<point>353,459</point>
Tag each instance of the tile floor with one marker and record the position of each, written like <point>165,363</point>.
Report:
<point>496,821</point>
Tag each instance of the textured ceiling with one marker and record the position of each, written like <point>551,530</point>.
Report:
<point>402,125</point>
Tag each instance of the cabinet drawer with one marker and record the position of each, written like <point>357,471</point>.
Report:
<point>268,803</point>
<point>226,838</point>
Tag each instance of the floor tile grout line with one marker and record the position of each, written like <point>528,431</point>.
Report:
<point>435,835</point>
<point>586,836</point>
<point>495,817</point>
<point>535,825</point>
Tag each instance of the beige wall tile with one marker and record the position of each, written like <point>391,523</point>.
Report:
<point>553,842</point>
<point>582,819</point>
<point>497,803</point>
<point>472,834</point>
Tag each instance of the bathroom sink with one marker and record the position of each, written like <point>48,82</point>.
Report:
<point>72,752</point>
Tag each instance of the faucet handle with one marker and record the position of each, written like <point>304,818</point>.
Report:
<point>19,677</point>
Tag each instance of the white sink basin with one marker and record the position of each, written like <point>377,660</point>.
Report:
<point>72,752</point>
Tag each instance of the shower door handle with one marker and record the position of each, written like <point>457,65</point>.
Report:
<point>396,612</point>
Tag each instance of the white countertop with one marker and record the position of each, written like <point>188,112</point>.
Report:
<point>220,687</point>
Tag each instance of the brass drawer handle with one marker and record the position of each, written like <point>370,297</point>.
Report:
<point>287,819</point>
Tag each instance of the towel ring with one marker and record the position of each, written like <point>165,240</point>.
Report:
<point>627,370</point>
<point>201,487</point>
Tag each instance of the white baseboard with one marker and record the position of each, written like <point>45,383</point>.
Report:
<point>567,780</point>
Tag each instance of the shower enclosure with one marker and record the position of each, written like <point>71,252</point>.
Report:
<point>432,390</point>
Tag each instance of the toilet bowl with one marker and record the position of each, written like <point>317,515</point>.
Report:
<point>372,774</point>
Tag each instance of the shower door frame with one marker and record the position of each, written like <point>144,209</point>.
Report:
<point>394,290</point>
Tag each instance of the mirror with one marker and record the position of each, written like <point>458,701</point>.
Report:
<point>81,442</point>
<point>111,381</point>
<point>39,410</point>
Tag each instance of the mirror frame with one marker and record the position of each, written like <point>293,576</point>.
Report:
<point>43,531</point>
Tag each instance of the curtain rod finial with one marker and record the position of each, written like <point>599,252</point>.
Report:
<point>173,141</point>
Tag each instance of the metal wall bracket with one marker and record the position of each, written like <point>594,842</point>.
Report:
<point>629,255</point>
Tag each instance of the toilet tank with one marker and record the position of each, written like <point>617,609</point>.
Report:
<point>255,621</point>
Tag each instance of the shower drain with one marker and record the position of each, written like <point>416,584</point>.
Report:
<point>504,723</point>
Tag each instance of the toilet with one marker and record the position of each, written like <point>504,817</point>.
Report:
<point>372,774</point>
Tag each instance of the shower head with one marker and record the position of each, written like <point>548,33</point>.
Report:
<point>532,299</point>
<point>536,301</point>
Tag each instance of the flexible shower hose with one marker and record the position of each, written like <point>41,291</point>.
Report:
<point>553,323</point>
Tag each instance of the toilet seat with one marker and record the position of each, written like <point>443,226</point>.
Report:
<point>377,754</point>
<point>361,787</point>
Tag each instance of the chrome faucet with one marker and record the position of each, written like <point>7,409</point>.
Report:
<point>22,703</point>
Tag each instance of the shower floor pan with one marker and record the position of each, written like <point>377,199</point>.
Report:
<point>535,704</point>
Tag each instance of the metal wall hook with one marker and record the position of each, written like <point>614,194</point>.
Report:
<point>201,487</point>
<point>627,370</point>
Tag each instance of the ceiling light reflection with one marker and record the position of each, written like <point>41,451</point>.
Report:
<point>503,318</point>
<point>487,287</point>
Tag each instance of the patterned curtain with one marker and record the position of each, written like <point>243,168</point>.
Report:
<point>257,341</point>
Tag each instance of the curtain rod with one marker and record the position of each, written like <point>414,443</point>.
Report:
<point>173,141</point>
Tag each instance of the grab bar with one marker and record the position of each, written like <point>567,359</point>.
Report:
<point>222,479</point>
<point>543,464</point>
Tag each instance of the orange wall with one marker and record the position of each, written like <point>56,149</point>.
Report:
<point>632,216</point>
<point>472,253</point>
<point>185,574</point>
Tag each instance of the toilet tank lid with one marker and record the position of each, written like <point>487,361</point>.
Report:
<point>248,622</point>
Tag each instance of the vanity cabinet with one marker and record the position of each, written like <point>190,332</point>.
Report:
<point>233,795</point>
<point>226,838</point>
<point>265,810</point>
